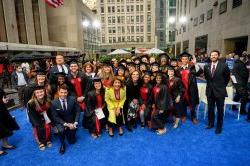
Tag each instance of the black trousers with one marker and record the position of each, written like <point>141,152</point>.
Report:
<point>242,96</point>
<point>219,101</point>
<point>69,134</point>
<point>186,104</point>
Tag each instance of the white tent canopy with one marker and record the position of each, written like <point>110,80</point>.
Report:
<point>119,52</point>
<point>137,51</point>
<point>154,51</point>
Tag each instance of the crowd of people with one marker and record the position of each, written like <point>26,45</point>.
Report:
<point>141,90</point>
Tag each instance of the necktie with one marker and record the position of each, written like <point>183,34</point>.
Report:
<point>213,70</point>
<point>64,105</point>
<point>63,69</point>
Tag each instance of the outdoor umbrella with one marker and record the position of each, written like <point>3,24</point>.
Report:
<point>22,57</point>
<point>153,51</point>
<point>119,52</point>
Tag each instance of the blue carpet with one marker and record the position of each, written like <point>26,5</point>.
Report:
<point>187,145</point>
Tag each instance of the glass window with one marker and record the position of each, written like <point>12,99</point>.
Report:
<point>223,7</point>
<point>237,3</point>
<point>210,14</point>
<point>201,18</point>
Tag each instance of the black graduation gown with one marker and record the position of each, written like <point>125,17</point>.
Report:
<point>163,102</point>
<point>177,89</point>
<point>38,123</point>
<point>148,102</point>
<point>89,115</point>
<point>192,84</point>
<point>7,123</point>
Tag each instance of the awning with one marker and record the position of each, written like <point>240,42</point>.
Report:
<point>28,47</point>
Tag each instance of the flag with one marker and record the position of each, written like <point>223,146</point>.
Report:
<point>54,3</point>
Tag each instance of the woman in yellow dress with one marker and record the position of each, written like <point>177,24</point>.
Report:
<point>115,97</point>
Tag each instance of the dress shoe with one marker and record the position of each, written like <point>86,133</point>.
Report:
<point>62,149</point>
<point>218,131</point>
<point>195,121</point>
<point>8,148</point>
<point>3,153</point>
<point>209,126</point>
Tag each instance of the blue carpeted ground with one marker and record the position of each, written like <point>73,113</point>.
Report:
<point>187,145</point>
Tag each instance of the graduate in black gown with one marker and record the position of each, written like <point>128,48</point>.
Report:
<point>145,100</point>
<point>132,102</point>
<point>40,80</point>
<point>7,124</point>
<point>161,103</point>
<point>176,90</point>
<point>96,107</point>
<point>38,112</point>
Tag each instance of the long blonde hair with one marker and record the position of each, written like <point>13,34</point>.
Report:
<point>34,100</point>
<point>104,75</point>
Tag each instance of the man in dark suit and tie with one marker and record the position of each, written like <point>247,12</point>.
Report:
<point>65,112</point>
<point>217,75</point>
<point>59,67</point>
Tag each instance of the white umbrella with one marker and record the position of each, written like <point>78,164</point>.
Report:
<point>154,51</point>
<point>119,52</point>
<point>137,51</point>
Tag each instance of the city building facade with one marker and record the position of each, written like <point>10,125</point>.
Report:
<point>204,25</point>
<point>31,25</point>
<point>127,23</point>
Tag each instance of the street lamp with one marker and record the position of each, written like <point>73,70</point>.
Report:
<point>183,20</point>
<point>86,23</point>
<point>171,20</point>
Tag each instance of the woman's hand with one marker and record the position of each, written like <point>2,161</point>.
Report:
<point>161,111</point>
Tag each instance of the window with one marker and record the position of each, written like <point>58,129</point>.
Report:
<point>128,29</point>
<point>37,24</point>
<point>102,9</point>
<point>195,21</point>
<point>132,8</point>
<point>119,39</point>
<point>109,20</point>
<point>114,40</point>
<point>103,20</point>
<point>149,7</point>
<point>132,19</point>
<point>103,39</point>
<point>114,30</point>
<point>132,38</point>
<point>110,29</point>
<point>237,3</point>
<point>210,14</point>
<point>118,19</point>
<point>128,19</point>
<point>141,18</point>
<point>113,9</point>
<point>141,28</point>
<point>141,39</point>
<point>223,7</point>
<point>122,9</point>
<point>137,19</point>
<point>196,3</point>
<point>109,9</point>
<point>110,39</point>
<point>128,38</point>
<point>137,8</point>
<point>137,29</point>
<point>149,38</point>
<point>141,7</point>
<point>137,38</point>
<point>118,9</point>
<point>128,8</point>
<point>113,19</point>
<point>132,29</point>
<point>201,18</point>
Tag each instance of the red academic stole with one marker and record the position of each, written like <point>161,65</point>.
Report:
<point>184,77</point>
<point>144,95</point>
<point>99,104</point>
<point>76,82</point>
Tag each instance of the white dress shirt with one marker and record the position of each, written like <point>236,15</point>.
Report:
<point>212,65</point>
<point>65,101</point>
<point>64,68</point>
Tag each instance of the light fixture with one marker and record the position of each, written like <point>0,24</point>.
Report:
<point>96,24</point>
<point>183,19</point>
<point>171,20</point>
<point>86,23</point>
